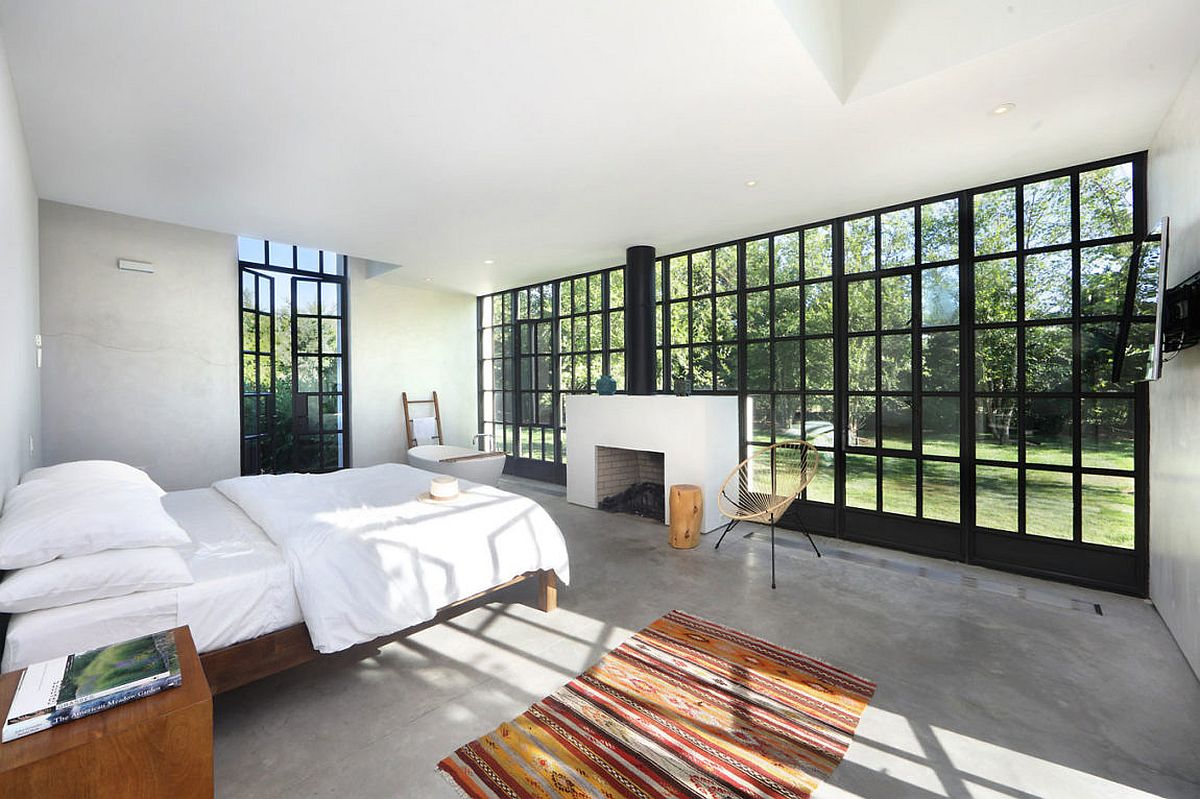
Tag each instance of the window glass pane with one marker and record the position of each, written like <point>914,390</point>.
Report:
<point>758,314</point>
<point>726,376</point>
<point>331,299</point>
<point>996,221</point>
<point>996,429</point>
<point>1107,434</point>
<point>678,270</point>
<point>939,426</point>
<point>702,273</point>
<point>726,271</point>
<point>996,291</point>
<point>1048,358</point>
<point>727,317</point>
<point>1103,275</point>
<point>787,311</point>
<point>895,294</point>
<point>897,238</point>
<point>251,250</point>
<point>680,324</point>
<point>306,297</point>
<point>595,295</point>
<point>862,363</point>
<point>787,258</point>
<point>702,320</point>
<point>1048,437</point>
<point>1048,285</point>
<point>896,422</point>
<point>861,422</point>
<point>940,361</point>
<point>861,305</point>
<point>818,364</point>
<point>860,482</point>
<point>1049,504</point>
<point>939,296</point>
<point>616,288</point>
<point>761,418</point>
<point>940,490</point>
<point>758,366</point>
<point>821,487</point>
<point>818,308</point>
<point>996,359</point>
<point>331,339</point>
<point>702,368</point>
<point>939,231</point>
<point>1096,346</point>
<point>859,244</point>
<point>758,266</point>
<point>1106,202</point>
<point>308,259</point>
<point>789,417</point>
<point>996,498</point>
<point>1108,510</point>
<point>1048,212</point>
<point>279,254</point>
<point>900,486</point>
<point>818,420</point>
<point>895,368</point>
<point>787,365</point>
<point>818,252</point>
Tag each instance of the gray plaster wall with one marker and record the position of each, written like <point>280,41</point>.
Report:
<point>1174,189</point>
<point>19,386</point>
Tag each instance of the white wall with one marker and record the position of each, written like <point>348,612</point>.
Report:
<point>414,340</point>
<point>1174,188</point>
<point>19,390</point>
<point>139,368</point>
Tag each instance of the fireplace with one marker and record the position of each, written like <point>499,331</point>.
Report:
<point>630,481</point>
<point>691,439</point>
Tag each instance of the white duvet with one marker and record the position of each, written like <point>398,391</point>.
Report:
<point>369,559</point>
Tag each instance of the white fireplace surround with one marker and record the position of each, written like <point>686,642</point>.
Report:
<point>698,437</point>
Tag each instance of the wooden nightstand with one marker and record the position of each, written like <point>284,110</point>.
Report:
<point>160,746</point>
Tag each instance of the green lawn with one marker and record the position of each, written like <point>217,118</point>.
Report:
<point>1107,502</point>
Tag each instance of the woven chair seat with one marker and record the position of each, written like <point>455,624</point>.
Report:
<point>762,487</point>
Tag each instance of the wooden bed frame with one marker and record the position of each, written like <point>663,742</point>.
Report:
<point>243,663</point>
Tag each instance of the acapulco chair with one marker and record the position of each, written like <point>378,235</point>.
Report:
<point>765,485</point>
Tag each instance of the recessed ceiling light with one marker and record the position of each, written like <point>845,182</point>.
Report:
<point>1003,108</point>
<point>428,280</point>
<point>489,261</point>
<point>751,183</point>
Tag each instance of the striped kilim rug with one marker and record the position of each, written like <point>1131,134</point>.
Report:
<point>685,708</point>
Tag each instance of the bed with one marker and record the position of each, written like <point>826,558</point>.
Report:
<point>289,566</point>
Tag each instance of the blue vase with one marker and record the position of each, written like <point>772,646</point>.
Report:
<point>606,386</point>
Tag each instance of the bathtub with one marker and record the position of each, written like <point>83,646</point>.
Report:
<point>486,468</point>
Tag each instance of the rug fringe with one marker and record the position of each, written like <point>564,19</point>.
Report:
<point>454,784</point>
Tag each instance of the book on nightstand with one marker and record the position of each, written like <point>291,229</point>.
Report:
<point>78,685</point>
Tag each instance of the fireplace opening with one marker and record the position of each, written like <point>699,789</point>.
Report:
<point>631,481</point>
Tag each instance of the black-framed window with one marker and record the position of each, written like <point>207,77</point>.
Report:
<point>295,358</point>
<point>1055,435</point>
<point>952,359</point>
<point>538,344</point>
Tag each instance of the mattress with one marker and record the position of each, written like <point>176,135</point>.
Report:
<point>243,589</point>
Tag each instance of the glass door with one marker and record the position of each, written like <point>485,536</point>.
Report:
<point>294,359</point>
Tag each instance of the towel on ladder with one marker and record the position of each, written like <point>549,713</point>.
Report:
<point>425,430</point>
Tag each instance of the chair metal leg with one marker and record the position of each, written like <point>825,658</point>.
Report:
<point>732,524</point>
<point>772,552</point>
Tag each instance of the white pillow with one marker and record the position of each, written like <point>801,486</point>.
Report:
<point>115,572</point>
<point>75,471</point>
<point>46,519</point>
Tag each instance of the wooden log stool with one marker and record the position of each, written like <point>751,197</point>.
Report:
<point>687,510</point>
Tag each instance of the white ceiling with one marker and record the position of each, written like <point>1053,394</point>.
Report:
<point>548,135</point>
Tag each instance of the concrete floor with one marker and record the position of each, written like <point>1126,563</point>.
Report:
<point>989,686</point>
